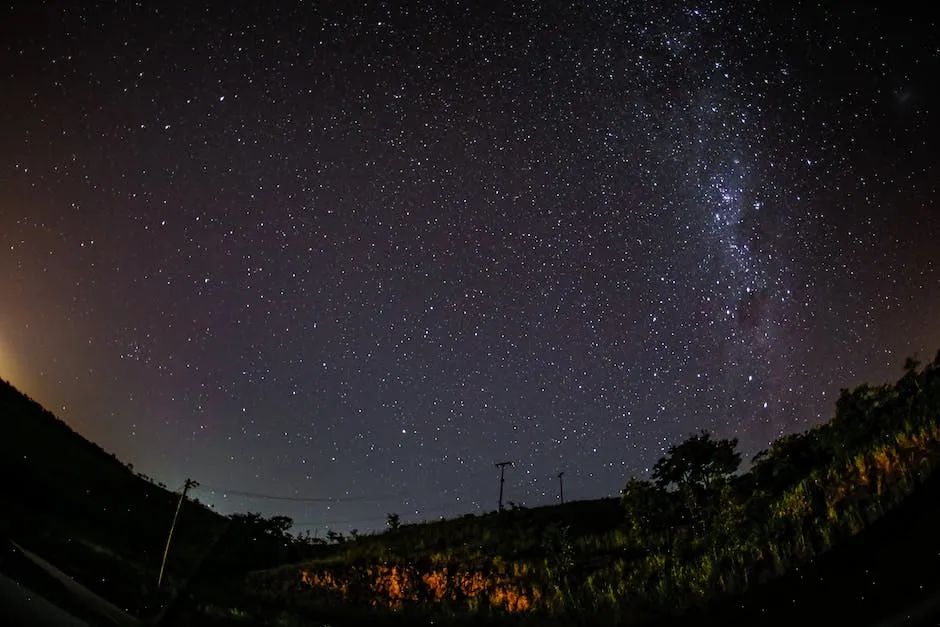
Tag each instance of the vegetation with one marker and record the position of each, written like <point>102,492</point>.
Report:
<point>69,501</point>
<point>698,533</point>
<point>695,532</point>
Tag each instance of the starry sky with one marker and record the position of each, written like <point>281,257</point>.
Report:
<point>354,256</point>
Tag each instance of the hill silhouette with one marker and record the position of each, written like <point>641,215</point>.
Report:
<point>837,524</point>
<point>67,499</point>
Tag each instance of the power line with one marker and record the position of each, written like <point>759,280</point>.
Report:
<point>306,499</point>
<point>320,499</point>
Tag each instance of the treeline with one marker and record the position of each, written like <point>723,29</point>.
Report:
<point>705,531</point>
<point>698,529</point>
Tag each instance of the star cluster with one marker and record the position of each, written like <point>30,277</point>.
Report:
<point>361,254</point>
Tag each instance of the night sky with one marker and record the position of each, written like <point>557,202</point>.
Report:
<point>319,252</point>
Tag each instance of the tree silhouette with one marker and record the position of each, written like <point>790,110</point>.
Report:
<point>699,462</point>
<point>646,507</point>
<point>788,460</point>
<point>698,470</point>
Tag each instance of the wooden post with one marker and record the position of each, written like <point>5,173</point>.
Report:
<point>502,479</point>
<point>166,550</point>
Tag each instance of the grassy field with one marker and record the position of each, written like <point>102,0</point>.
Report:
<point>837,522</point>
<point>680,543</point>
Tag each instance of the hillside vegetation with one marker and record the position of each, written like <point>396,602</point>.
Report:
<point>847,508</point>
<point>698,531</point>
<point>72,503</point>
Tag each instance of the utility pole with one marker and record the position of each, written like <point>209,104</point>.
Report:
<point>502,479</point>
<point>561,486</point>
<point>186,486</point>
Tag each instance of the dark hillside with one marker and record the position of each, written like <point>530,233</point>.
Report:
<point>78,506</point>
<point>888,575</point>
<point>837,524</point>
<point>517,531</point>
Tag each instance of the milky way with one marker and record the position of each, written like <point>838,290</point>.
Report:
<point>362,255</point>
